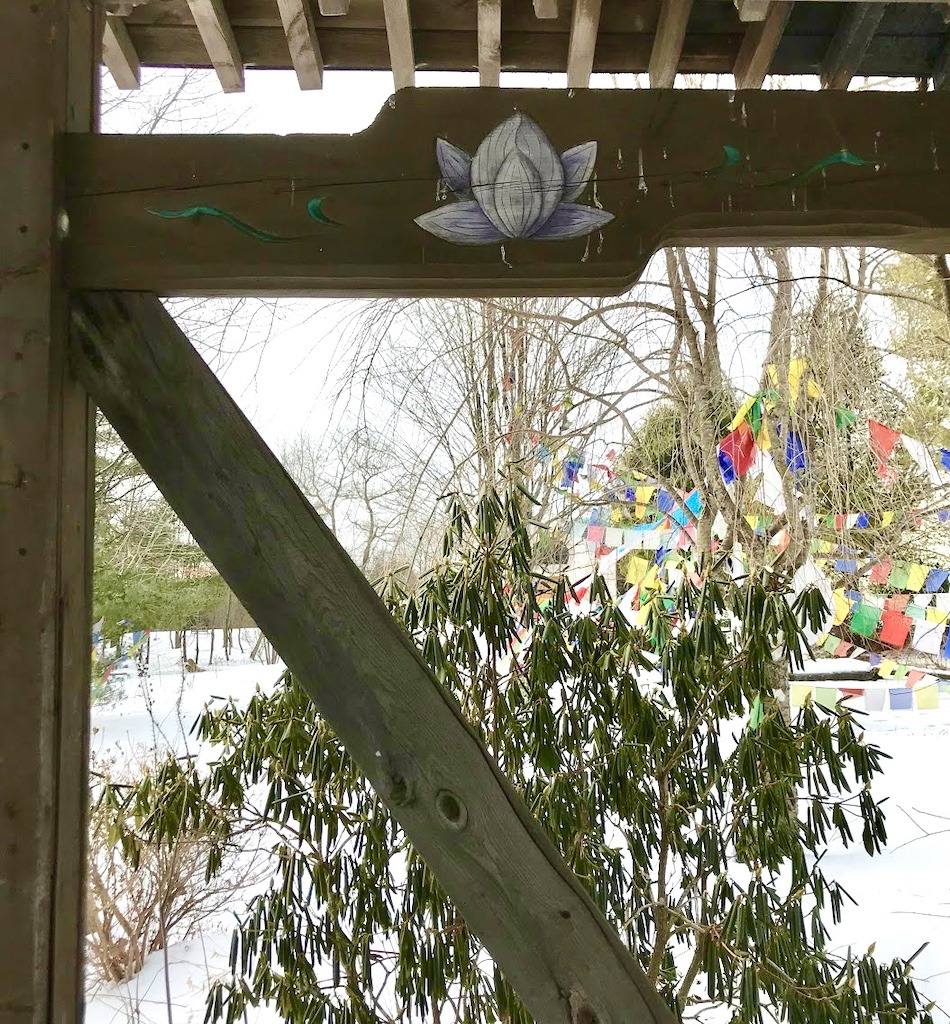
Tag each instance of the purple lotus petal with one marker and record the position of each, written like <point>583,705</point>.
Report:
<point>578,164</point>
<point>462,222</point>
<point>456,167</point>
<point>517,134</point>
<point>517,197</point>
<point>571,220</point>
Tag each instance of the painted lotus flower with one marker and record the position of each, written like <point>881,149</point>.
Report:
<point>516,186</point>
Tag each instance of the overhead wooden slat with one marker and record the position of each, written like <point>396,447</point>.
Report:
<point>759,44</point>
<point>849,43</point>
<point>119,56</point>
<point>402,53</point>
<point>752,10</point>
<point>489,43</point>
<point>302,42</point>
<point>218,37</point>
<point>334,8</point>
<point>545,8</point>
<point>668,43</point>
<point>585,20</point>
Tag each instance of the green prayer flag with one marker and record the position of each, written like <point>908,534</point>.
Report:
<point>844,418</point>
<point>899,576</point>
<point>757,713</point>
<point>826,696</point>
<point>865,619</point>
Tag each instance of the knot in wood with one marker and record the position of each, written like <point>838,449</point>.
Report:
<point>452,812</point>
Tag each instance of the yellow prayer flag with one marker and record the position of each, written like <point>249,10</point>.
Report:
<point>796,370</point>
<point>887,668</point>
<point>651,581</point>
<point>814,388</point>
<point>937,615</point>
<point>616,515</point>
<point>926,697</point>
<point>753,521</point>
<point>887,518</point>
<point>842,607</point>
<point>800,693</point>
<point>916,577</point>
<point>637,568</point>
<point>742,413</point>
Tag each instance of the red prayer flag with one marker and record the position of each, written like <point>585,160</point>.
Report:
<point>739,446</point>
<point>883,440</point>
<point>881,571</point>
<point>894,628</point>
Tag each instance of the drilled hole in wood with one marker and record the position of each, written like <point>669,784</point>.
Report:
<point>451,810</point>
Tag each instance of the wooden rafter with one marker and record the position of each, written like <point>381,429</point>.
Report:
<point>218,37</point>
<point>759,44</point>
<point>668,42</point>
<point>334,633</point>
<point>334,8</point>
<point>752,10</point>
<point>301,32</point>
<point>489,43</point>
<point>858,24</point>
<point>585,21</point>
<point>119,56</point>
<point>401,50</point>
<point>545,8</point>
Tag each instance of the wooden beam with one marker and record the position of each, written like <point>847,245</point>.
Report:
<point>49,73</point>
<point>668,43</point>
<point>301,32</point>
<point>859,22</point>
<point>334,8</point>
<point>545,8</point>
<point>348,215</point>
<point>752,10</point>
<point>119,56</point>
<point>585,21</point>
<point>218,37</point>
<point>489,43</point>
<point>399,35</point>
<point>759,44</point>
<point>363,672</point>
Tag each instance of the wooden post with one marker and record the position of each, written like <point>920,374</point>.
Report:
<point>48,72</point>
<point>335,634</point>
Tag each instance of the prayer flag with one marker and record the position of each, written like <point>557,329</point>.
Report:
<point>898,576</point>
<point>894,628</point>
<point>637,568</point>
<point>883,440</point>
<point>935,580</point>
<point>865,619</point>
<point>842,607</point>
<point>844,418</point>
<point>916,577</point>
<point>799,694</point>
<point>881,571</point>
<point>826,696</point>
<point>902,699</point>
<point>926,697</point>
<point>739,448</point>
<point>795,453</point>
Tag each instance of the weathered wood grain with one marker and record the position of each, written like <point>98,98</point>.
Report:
<point>668,45</point>
<point>759,45</point>
<point>373,185</point>
<point>362,670</point>
<point>119,56</point>
<point>302,43</point>
<point>48,78</point>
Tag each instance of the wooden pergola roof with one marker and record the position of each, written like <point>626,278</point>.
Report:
<point>750,38</point>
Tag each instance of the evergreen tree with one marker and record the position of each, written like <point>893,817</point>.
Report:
<point>693,812</point>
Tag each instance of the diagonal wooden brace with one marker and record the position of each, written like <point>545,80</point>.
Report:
<point>362,671</point>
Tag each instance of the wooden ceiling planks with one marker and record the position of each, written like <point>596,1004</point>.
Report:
<point>578,37</point>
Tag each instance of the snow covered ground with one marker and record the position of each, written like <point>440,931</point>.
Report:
<point>903,894</point>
